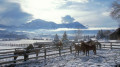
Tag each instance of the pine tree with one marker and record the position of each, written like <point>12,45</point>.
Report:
<point>65,40</point>
<point>64,36</point>
<point>100,34</point>
<point>56,39</point>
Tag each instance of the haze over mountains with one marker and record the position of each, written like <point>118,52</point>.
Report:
<point>35,25</point>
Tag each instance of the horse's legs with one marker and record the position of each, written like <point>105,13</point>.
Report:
<point>15,59</point>
<point>100,46</point>
<point>97,46</point>
<point>36,55</point>
<point>26,57</point>
<point>88,52</point>
<point>94,52</point>
<point>78,52</point>
<point>83,51</point>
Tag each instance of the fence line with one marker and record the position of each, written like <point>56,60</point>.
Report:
<point>44,55</point>
<point>111,45</point>
<point>47,52</point>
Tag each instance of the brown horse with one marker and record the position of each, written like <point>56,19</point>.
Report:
<point>20,53</point>
<point>98,45</point>
<point>59,44</point>
<point>79,48</point>
<point>29,49</point>
<point>39,45</point>
<point>89,46</point>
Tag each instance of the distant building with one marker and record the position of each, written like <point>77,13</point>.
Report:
<point>115,35</point>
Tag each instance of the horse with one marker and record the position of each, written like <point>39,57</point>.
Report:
<point>39,45</point>
<point>20,53</point>
<point>89,46</point>
<point>59,44</point>
<point>98,44</point>
<point>29,49</point>
<point>78,48</point>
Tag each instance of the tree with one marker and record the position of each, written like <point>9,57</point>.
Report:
<point>103,34</point>
<point>65,40</point>
<point>56,39</point>
<point>115,13</point>
<point>65,36</point>
<point>100,34</point>
<point>78,35</point>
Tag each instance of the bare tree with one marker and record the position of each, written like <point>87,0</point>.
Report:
<point>78,35</point>
<point>115,13</point>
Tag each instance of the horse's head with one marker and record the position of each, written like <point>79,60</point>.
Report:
<point>82,42</point>
<point>30,47</point>
<point>60,43</point>
<point>92,42</point>
<point>73,44</point>
<point>41,45</point>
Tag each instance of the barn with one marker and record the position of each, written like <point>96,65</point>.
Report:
<point>115,35</point>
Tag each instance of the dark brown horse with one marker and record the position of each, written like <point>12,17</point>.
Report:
<point>89,46</point>
<point>24,52</point>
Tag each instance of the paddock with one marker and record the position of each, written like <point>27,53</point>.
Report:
<point>6,55</point>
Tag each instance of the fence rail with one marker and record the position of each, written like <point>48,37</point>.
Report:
<point>111,45</point>
<point>48,52</point>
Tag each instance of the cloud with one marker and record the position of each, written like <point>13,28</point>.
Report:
<point>89,12</point>
<point>80,1</point>
<point>67,19</point>
<point>11,14</point>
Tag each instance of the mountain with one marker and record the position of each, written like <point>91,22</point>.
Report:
<point>7,34</point>
<point>38,24</point>
<point>41,24</point>
<point>8,27</point>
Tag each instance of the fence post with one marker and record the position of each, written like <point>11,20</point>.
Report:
<point>111,45</point>
<point>104,45</point>
<point>45,53</point>
<point>59,51</point>
<point>70,49</point>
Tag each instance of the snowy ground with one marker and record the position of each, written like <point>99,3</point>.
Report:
<point>23,41</point>
<point>104,58</point>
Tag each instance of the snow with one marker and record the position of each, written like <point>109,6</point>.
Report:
<point>23,41</point>
<point>104,58</point>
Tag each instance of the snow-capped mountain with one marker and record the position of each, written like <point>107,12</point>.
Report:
<point>41,24</point>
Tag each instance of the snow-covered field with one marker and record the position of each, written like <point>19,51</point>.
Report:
<point>23,41</point>
<point>104,58</point>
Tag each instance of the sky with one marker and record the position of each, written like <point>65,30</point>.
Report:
<point>91,13</point>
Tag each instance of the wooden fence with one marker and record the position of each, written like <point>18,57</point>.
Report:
<point>111,45</point>
<point>6,55</point>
